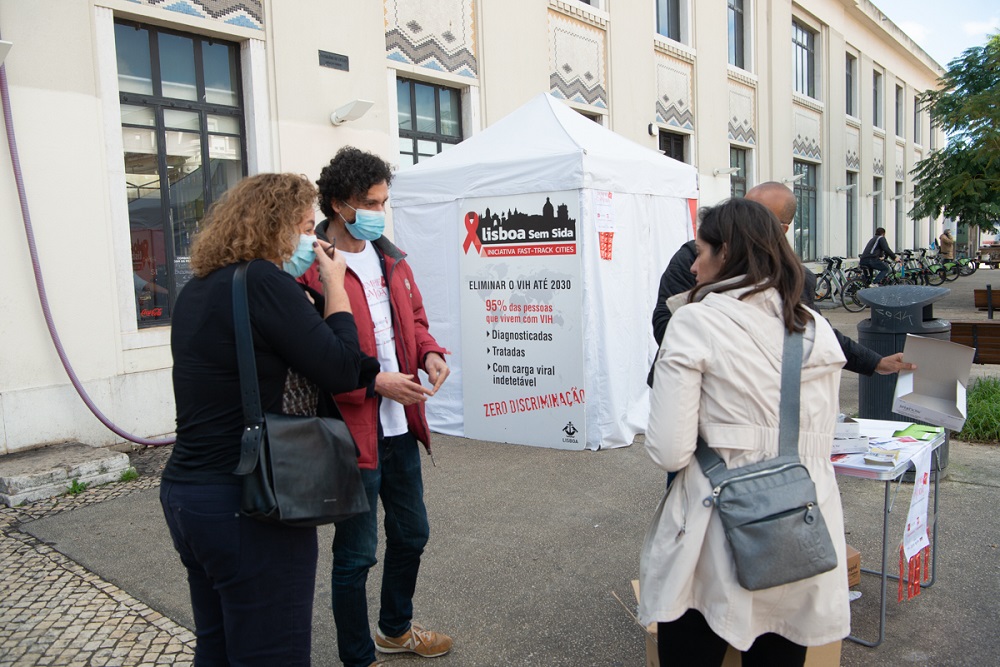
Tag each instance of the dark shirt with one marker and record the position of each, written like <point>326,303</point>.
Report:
<point>287,331</point>
<point>877,248</point>
<point>678,279</point>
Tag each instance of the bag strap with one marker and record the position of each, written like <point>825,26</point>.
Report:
<point>253,420</point>
<point>788,417</point>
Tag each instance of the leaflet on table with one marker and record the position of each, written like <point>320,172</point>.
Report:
<point>522,320</point>
<point>882,453</point>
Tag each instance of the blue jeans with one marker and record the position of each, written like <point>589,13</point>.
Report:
<point>251,582</point>
<point>398,482</point>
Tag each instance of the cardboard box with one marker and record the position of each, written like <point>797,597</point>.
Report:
<point>847,427</point>
<point>935,392</point>
<point>853,566</point>
<point>827,655</point>
<point>844,445</point>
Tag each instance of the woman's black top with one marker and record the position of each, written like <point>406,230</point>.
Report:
<point>287,332</point>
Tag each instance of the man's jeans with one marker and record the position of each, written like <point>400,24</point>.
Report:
<point>876,265</point>
<point>397,480</point>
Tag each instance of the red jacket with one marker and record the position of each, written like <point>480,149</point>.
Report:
<point>413,343</point>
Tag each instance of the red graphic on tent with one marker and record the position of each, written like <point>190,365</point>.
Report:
<point>472,232</point>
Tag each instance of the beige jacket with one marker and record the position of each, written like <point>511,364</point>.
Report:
<point>947,246</point>
<point>718,373</point>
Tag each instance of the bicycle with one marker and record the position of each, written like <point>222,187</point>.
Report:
<point>831,281</point>
<point>896,276</point>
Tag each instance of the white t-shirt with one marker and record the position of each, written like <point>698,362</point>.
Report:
<point>367,267</point>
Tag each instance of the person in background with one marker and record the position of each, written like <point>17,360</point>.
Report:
<point>777,198</point>
<point>718,375</point>
<point>947,244</point>
<point>251,582</point>
<point>386,417</point>
<point>875,253</point>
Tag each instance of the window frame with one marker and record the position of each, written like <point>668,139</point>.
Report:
<point>918,130</point>
<point>438,136</point>
<point>899,212</point>
<point>851,92</point>
<point>851,218</point>
<point>804,59</point>
<point>806,210</point>
<point>736,29</point>
<point>877,185</point>
<point>878,105</point>
<point>900,111</point>
<point>739,158</point>
<point>672,27</point>
<point>675,139</point>
<point>158,103</point>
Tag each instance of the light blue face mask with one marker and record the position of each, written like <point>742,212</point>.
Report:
<point>367,225</point>
<point>302,258</point>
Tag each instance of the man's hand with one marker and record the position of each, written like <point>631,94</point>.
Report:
<point>893,364</point>
<point>437,370</point>
<point>401,388</point>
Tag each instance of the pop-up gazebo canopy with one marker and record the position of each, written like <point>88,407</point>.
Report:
<point>538,244</point>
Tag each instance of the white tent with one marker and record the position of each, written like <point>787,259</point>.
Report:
<point>601,334</point>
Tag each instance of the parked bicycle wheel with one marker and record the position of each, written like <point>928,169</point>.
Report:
<point>951,271</point>
<point>853,302</point>
<point>823,288</point>
<point>967,267</point>
<point>935,276</point>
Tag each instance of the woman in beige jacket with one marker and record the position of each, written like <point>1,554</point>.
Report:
<point>718,373</point>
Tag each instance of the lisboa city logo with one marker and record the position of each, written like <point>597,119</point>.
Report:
<point>570,432</point>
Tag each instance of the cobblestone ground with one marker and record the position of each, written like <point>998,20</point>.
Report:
<point>54,612</point>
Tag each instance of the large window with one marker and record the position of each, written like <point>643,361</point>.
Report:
<point>430,119</point>
<point>806,214</point>
<point>849,93</point>
<point>672,145</point>
<point>803,60</point>
<point>668,18</point>
<point>877,99</point>
<point>738,181</point>
<point>852,213</point>
<point>932,140</point>
<point>876,196</point>
<point>183,135</point>
<point>737,35</point>
<point>900,109</point>
<point>918,135</point>
<point>899,206</point>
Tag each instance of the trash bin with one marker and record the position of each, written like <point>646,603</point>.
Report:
<point>896,310</point>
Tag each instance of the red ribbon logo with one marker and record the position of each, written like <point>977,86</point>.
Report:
<point>472,235</point>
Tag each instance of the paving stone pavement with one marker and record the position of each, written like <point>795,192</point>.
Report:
<point>55,612</point>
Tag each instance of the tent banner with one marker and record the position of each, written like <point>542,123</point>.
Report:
<point>521,289</point>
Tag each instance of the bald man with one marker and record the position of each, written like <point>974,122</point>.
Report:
<point>781,201</point>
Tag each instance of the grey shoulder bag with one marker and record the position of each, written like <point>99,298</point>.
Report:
<point>769,509</point>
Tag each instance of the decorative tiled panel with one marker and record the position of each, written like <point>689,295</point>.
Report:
<point>878,155</point>
<point>576,61</point>
<point>853,151</point>
<point>243,13</point>
<point>742,107</point>
<point>808,139</point>
<point>900,163</point>
<point>673,92</point>
<point>436,34</point>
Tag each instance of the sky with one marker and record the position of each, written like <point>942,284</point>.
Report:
<point>944,30</point>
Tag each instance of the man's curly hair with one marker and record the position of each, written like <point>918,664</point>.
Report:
<point>351,173</point>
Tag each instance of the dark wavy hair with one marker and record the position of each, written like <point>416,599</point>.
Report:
<point>757,249</point>
<point>351,173</point>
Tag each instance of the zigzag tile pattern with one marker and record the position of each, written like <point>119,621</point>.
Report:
<point>244,13</point>
<point>742,133</point>
<point>428,53</point>
<point>673,116</point>
<point>806,148</point>
<point>853,161</point>
<point>878,167</point>
<point>576,91</point>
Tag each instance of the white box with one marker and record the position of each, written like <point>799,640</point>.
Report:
<point>935,392</point>
<point>847,428</point>
<point>849,445</point>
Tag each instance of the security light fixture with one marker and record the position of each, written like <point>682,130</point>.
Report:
<point>794,179</point>
<point>845,188</point>
<point>726,172</point>
<point>874,193</point>
<point>353,110</point>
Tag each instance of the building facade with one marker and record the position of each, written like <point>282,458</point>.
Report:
<point>132,116</point>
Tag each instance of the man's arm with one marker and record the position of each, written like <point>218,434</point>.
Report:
<point>677,278</point>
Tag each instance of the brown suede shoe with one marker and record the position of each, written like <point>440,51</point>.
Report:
<point>425,643</point>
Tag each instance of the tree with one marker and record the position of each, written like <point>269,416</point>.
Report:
<point>962,179</point>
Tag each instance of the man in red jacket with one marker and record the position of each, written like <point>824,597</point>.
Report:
<point>386,419</point>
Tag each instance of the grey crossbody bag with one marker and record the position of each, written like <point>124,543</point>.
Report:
<point>769,509</point>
